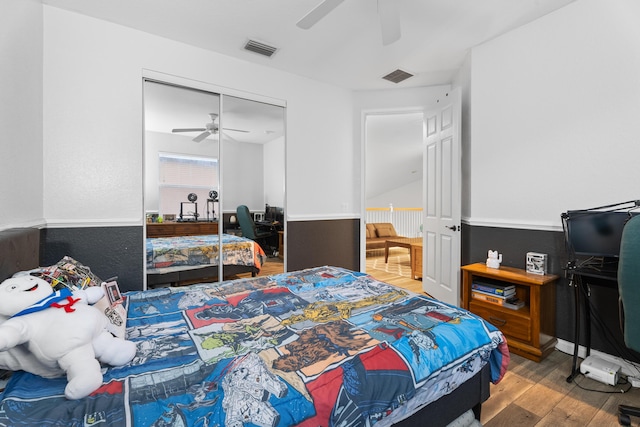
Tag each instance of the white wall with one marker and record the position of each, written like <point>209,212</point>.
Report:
<point>406,196</point>
<point>243,175</point>
<point>274,167</point>
<point>21,162</point>
<point>93,121</point>
<point>555,108</point>
<point>463,81</point>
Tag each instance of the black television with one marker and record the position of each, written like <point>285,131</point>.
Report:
<point>596,232</point>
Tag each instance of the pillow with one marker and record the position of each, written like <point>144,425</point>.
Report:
<point>371,231</point>
<point>385,230</point>
<point>71,274</point>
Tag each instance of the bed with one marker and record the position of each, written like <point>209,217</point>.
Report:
<point>319,347</point>
<point>179,260</point>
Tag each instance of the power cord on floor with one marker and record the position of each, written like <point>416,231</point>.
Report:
<point>622,381</point>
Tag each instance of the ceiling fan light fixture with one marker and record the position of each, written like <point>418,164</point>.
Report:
<point>260,48</point>
<point>389,21</point>
<point>317,13</point>
<point>397,76</point>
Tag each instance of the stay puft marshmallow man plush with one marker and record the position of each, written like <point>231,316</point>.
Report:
<point>61,331</point>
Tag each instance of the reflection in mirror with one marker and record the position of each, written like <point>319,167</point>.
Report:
<point>181,176</point>
<point>253,176</point>
<point>192,189</point>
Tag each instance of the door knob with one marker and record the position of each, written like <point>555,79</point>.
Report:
<point>454,227</point>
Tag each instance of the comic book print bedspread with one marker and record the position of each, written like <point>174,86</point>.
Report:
<point>317,347</point>
<point>165,253</point>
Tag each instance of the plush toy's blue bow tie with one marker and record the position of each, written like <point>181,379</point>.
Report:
<point>51,301</point>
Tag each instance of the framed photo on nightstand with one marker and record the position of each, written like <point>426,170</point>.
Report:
<point>536,263</point>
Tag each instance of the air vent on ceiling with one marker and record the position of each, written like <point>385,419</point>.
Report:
<point>260,48</point>
<point>397,76</point>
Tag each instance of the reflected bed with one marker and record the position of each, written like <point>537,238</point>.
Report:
<point>182,260</point>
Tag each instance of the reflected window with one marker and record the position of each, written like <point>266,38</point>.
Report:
<point>181,175</point>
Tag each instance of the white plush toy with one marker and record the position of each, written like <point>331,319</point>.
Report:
<point>19,358</point>
<point>61,331</point>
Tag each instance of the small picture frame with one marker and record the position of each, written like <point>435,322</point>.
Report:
<point>113,293</point>
<point>536,263</point>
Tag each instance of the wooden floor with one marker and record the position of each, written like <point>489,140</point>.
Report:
<point>530,394</point>
<point>396,271</point>
<point>272,266</point>
<point>537,394</point>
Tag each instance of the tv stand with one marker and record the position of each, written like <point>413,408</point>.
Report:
<point>592,238</point>
<point>581,278</point>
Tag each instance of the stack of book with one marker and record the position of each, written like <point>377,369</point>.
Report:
<point>502,295</point>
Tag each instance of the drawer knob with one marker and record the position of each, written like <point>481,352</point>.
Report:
<point>497,321</point>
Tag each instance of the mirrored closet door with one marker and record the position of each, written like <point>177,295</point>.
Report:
<point>205,155</point>
<point>252,146</point>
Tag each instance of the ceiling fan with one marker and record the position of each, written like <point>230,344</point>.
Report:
<point>387,11</point>
<point>210,128</point>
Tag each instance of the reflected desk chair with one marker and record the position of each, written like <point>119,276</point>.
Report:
<point>263,236</point>
<point>629,300</point>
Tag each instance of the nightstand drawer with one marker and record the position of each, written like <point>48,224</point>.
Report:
<point>511,324</point>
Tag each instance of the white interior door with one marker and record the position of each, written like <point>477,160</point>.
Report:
<point>441,240</point>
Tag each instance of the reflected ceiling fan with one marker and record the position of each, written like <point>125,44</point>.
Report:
<point>210,128</point>
<point>387,10</point>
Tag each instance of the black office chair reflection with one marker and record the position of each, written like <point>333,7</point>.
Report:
<point>629,289</point>
<point>264,236</point>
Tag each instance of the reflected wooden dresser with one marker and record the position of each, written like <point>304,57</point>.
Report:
<point>186,228</point>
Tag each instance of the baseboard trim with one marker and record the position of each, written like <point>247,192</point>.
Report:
<point>506,223</point>
<point>94,223</point>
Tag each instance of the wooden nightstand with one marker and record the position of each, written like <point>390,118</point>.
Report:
<point>530,330</point>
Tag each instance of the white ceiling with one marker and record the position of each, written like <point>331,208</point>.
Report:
<point>170,107</point>
<point>344,48</point>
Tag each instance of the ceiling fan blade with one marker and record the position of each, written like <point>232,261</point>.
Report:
<point>202,136</point>
<point>317,13</point>
<point>389,21</point>
<point>189,130</point>
<point>226,136</point>
<point>237,130</point>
